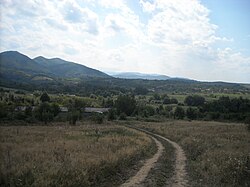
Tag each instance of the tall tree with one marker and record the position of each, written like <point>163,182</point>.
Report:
<point>44,97</point>
<point>125,104</point>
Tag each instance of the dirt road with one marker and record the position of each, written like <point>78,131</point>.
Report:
<point>141,175</point>
<point>180,175</point>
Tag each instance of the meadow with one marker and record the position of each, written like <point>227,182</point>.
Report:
<point>62,155</point>
<point>218,154</point>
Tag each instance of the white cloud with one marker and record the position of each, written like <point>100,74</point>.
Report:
<point>147,6</point>
<point>181,23</point>
<point>177,39</point>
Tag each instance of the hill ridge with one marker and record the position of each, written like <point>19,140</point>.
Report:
<point>18,67</point>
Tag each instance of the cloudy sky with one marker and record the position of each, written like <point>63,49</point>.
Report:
<point>198,39</point>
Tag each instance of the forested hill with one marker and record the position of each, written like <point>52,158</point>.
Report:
<point>15,66</point>
<point>60,76</point>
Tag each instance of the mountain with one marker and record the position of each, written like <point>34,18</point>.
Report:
<point>135,75</point>
<point>15,66</point>
<point>62,68</point>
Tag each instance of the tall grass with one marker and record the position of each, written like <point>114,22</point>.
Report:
<point>86,155</point>
<point>218,153</point>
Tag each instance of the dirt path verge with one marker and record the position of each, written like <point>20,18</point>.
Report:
<point>136,180</point>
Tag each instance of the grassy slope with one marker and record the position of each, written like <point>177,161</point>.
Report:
<point>87,155</point>
<point>218,153</point>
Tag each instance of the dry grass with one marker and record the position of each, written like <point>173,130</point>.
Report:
<point>218,153</point>
<point>86,155</point>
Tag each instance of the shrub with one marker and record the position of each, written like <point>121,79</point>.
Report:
<point>73,116</point>
<point>111,115</point>
<point>98,118</point>
<point>194,100</point>
<point>179,113</point>
<point>122,116</point>
<point>191,113</point>
<point>45,97</point>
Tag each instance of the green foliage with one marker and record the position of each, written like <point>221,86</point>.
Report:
<point>179,113</point>
<point>157,96</point>
<point>55,109</point>
<point>125,104</point>
<point>122,116</point>
<point>227,109</point>
<point>28,111</point>
<point>194,100</point>
<point>108,103</point>
<point>139,90</point>
<point>191,113</point>
<point>111,114</point>
<point>73,116</point>
<point>167,100</point>
<point>148,111</point>
<point>45,97</point>
<point>44,112</point>
<point>98,118</point>
<point>77,104</point>
<point>3,110</point>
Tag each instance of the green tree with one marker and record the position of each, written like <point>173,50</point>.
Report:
<point>194,100</point>
<point>166,101</point>
<point>73,116</point>
<point>179,113</point>
<point>148,111</point>
<point>3,110</point>
<point>191,113</point>
<point>44,97</point>
<point>125,104</point>
<point>55,109</point>
<point>28,111</point>
<point>44,112</point>
<point>157,96</point>
<point>140,90</point>
<point>111,114</point>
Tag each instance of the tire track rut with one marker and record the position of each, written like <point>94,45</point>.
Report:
<point>180,175</point>
<point>141,175</point>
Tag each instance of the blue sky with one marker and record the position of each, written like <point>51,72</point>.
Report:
<point>198,39</point>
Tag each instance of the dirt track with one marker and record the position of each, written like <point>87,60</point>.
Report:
<point>143,172</point>
<point>179,179</point>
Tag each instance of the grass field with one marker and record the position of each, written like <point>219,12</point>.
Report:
<point>85,155</point>
<point>218,153</point>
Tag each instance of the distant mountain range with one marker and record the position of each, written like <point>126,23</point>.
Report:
<point>18,67</point>
<point>145,76</point>
<point>136,75</point>
<point>56,75</point>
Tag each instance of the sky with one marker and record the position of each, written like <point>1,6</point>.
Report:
<point>207,40</point>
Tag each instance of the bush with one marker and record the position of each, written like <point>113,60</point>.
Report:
<point>179,113</point>
<point>122,116</point>
<point>111,115</point>
<point>73,116</point>
<point>148,111</point>
<point>194,100</point>
<point>45,97</point>
<point>98,118</point>
<point>43,112</point>
<point>140,90</point>
<point>191,113</point>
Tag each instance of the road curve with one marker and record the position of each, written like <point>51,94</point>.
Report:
<point>141,175</point>
<point>180,175</point>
